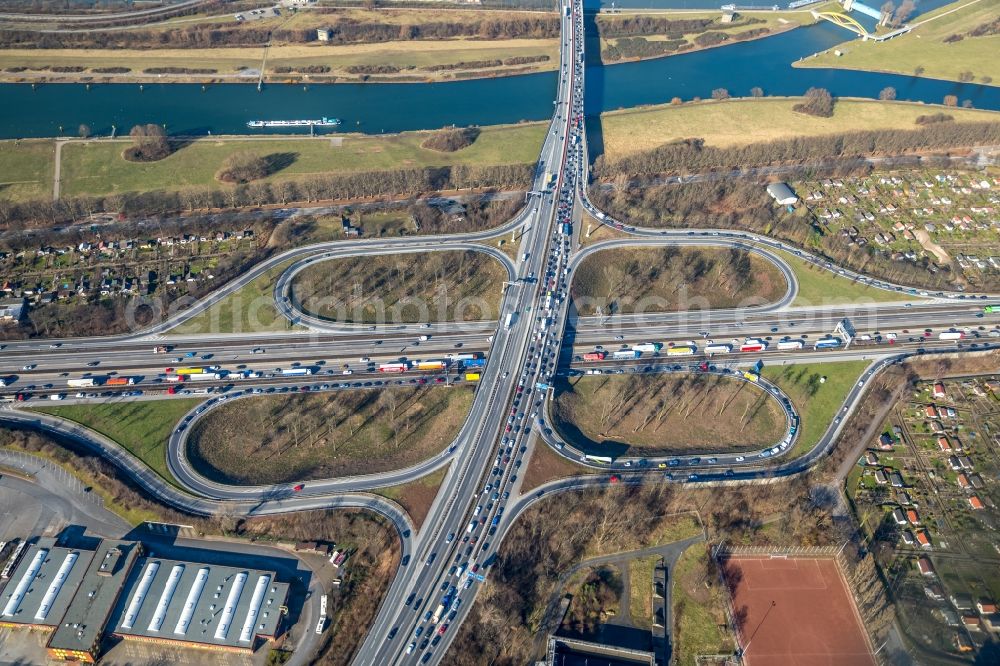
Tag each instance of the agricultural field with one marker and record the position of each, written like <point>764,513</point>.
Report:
<point>925,493</point>
<point>141,428</point>
<point>440,286</point>
<point>660,414</point>
<point>939,220</point>
<point>97,167</point>
<point>955,42</point>
<point>636,280</point>
<point>296,437</point>
<point>739,122</point>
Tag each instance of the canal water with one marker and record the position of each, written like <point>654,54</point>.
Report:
<point>54,109</point>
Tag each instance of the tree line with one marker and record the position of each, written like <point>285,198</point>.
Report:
<point>342,31</point>
<point>360,185</point>
<point>692,155</point>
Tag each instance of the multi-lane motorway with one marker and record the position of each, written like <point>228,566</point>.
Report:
<point>536,335</point>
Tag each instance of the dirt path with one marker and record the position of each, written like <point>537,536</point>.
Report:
<point>925,242</point>
<point>57,171</point>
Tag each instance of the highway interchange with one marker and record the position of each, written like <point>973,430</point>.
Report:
<point>480,496</point>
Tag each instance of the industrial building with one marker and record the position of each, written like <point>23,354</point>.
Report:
<point>81,596</point>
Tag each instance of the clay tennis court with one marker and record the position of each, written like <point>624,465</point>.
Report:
<point>795,612</point>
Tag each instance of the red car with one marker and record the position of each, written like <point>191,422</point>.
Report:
<point>298,487</point>
<point>614,478</point>
<point>442,629</point>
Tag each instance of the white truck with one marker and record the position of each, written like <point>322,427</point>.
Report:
<point>510,319</point>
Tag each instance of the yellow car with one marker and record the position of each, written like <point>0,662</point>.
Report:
<point>662,465</point>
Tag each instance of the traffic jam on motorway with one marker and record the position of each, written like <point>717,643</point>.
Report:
<point>473,555</point>
<point>759,345</point>
<point>191,379</point>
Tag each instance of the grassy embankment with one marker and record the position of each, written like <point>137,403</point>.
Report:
<point>403,288</point>
<point>925,47</point>
<point>310,436</point>
<point>650,415</point>
<point>818,286</point>
<point>417,496</point>
<point>739,122</point>
<point>773,22</point>
<point>817,403</point>
<point>141,428</point>
<point>625,280</point>
<point>250,308</point>
<point>698,609</point>
<point>96,167</point>
<point>412,57</point>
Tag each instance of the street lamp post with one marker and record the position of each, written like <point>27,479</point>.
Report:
<point>744,650</point>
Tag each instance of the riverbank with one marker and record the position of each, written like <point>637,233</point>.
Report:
<point>945,44</point>
<point>738,122</point>
<point>688,31</point>
<point>96,167</point>
<point>321,45</point>
<point>388,62</point>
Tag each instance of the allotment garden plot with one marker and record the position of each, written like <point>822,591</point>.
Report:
<point>925,493</point>
<point>943,223</point>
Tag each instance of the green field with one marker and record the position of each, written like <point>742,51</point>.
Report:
<point>249,309</point>
<point>641,590</point>
<point>26,169</point>
<point>739,122</point>
<point>925,47</point>
<point>96,167</point>
<point>821,287</point>
<point>816,403</point>
<point>697,610</point>
<point>141,428</point>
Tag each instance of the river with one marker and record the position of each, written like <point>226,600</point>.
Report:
<point>54,109</point>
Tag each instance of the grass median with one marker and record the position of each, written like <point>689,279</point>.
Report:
<point>141,427</point>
